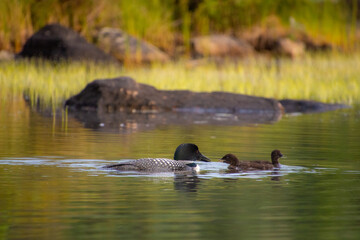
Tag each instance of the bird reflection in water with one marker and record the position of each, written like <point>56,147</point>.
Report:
<point>186,182</point>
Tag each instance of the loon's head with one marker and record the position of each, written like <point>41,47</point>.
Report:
<point>189,151</point>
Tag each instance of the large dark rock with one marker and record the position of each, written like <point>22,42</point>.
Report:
<point>125,95</point>
<point>56,42</point>
<point>306,106</point>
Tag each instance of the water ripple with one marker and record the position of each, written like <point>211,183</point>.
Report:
<point>208,170</point>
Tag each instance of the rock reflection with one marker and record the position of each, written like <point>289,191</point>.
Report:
<point>134,122</point>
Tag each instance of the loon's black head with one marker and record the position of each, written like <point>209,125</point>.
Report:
<point>189,151</point>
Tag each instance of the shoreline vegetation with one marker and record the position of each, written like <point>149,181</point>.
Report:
<point>170,25</point>
<point>330,78</point>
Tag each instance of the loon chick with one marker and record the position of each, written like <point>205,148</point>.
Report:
<point>185,151</point>
<point>235,164</point>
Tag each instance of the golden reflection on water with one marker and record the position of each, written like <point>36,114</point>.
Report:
<point>43,201</point>
<point>52,185</point>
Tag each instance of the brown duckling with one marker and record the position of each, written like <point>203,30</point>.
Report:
<point>235,164</point>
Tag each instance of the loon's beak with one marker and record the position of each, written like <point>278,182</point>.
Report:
<point>203,158</point>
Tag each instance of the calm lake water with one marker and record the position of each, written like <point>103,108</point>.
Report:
<point>53,187</point>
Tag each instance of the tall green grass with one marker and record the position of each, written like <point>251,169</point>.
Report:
<point>330,79</point>
<point>162,22</point>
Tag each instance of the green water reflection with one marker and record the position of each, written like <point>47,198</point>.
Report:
<point>52,201</point>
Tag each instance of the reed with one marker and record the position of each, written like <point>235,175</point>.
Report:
<point>325,78</point>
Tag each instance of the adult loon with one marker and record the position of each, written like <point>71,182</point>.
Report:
<point>183,154</point>
<point>235,164</point>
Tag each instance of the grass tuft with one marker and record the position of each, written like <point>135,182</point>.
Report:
<point>324,78</point>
